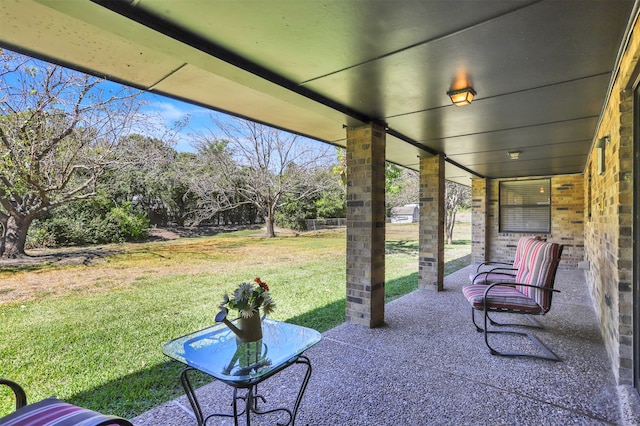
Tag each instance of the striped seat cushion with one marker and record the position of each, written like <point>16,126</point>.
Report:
<point>53,412</point>
<point>502,297</point>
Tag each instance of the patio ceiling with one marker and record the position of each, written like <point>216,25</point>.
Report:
<point>541,69</point>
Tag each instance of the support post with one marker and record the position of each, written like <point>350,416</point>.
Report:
<point>365,224</point>
<point>479,211</point>
<point>432,209</point>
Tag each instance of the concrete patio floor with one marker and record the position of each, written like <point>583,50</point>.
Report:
<point>428,366</point>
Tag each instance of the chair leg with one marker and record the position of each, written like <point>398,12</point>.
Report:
<point>533,321</point>
<point>548,354</point>
<point>473,319</point>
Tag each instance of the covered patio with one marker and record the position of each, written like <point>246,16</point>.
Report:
<point>557,99</point>
<point>428,365</point>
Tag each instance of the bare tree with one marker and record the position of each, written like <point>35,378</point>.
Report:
<point>58,130</point>
<point>456,196</point>
<point>249,163</point>
<point>403,189</point>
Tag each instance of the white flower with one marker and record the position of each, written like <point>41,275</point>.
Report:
<point>247,312</point>
<point>243,292</point>
<point>268,305</point>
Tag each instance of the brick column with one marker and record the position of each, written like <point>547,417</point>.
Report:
<point>431,234</point>
<point>365,225</point>
<point>479,202</point>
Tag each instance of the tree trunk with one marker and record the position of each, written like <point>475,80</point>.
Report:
<point>271,233</point>
<point>451,216</point>
<point>15,237</point>
<point>3,225</point>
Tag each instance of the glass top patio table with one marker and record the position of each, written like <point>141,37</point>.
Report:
<point>216,351</point>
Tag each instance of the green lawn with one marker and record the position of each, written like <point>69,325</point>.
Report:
<point>97,342</point>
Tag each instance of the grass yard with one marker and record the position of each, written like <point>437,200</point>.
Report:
<point>91,333</point>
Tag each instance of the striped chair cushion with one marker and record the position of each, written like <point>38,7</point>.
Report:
<point>539,266</point>
<point>481,276</point>
<point>527,260</point>
<point>500,298</point>
<point>53,412</point>
<point>520,248</point>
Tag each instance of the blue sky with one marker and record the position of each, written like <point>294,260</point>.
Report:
<point>170,110</point>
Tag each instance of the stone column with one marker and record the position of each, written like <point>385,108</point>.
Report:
<point>365,224</point>
<point>479,203</point>
<point>432,209</point>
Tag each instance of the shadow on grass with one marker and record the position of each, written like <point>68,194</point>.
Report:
<point>138,392</point>
<point>456,264</point>
<point>402,246</point>
<point>44,259</point>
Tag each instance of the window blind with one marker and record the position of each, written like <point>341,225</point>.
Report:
<point>525,206</point>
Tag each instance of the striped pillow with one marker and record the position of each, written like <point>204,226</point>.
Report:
<point>53,412</point>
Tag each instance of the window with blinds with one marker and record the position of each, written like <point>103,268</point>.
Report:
<point>525,206</point>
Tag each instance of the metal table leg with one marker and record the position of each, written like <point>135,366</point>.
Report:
<point>195,405</point>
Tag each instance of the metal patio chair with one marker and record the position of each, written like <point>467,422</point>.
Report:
<point>531,293</point>
<point>53,412</point>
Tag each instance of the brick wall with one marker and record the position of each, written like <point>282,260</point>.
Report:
<point>609,219</point>
<point>567,221</point>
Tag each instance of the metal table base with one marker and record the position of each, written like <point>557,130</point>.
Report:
<point>250,398</point>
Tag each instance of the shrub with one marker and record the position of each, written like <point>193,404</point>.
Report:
<point>94,221</point>
<point>129,225</point>
<point>293,214</point>
<point>39,237</point>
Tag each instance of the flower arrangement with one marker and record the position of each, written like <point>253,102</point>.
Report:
<point>248,298</point>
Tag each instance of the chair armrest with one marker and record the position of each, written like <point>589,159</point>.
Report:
<point>519,284</point>
<point>21,396</point>
<point>512,271</point>
<point>496,271</point>
<point>489,263</point>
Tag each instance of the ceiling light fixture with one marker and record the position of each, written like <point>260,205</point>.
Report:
<point>514,155</point>
<point>462,97</point>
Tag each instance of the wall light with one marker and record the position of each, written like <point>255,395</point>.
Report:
<point>462,97</point>
<point>514,155</point>
<point>601,145</point>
